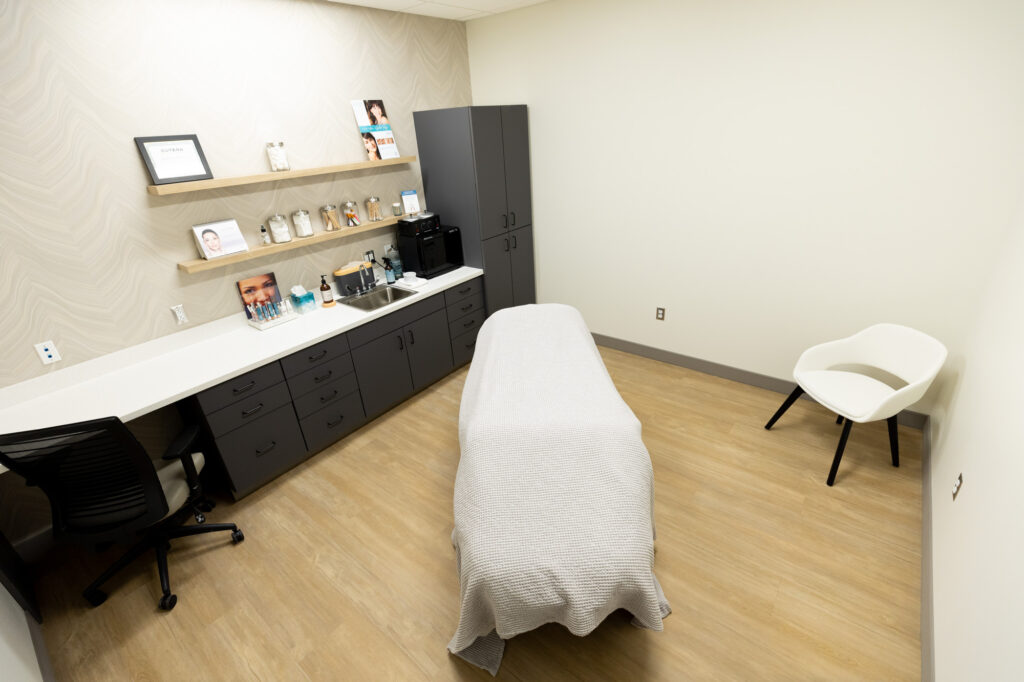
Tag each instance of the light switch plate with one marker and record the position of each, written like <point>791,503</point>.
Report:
<point>179,313</point>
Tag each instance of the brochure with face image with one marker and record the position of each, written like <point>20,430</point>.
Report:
<point>374,126</point>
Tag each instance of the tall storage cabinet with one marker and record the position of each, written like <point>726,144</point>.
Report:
<point>476,175</point>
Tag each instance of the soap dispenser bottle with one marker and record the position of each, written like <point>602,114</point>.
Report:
<point>389,272</point>
<point>325,292</point>
<point>396,262</point>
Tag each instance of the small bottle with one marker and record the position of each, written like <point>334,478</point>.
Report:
<point>264,235</point>
<point>396,262</point>
<point>325,292</point>
<point>389,272</point>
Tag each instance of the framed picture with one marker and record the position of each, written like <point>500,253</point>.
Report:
<point>219,238</point>
<point>174,158</point>
<point>258,293</point>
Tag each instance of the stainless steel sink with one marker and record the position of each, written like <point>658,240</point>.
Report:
<point>378,298</point>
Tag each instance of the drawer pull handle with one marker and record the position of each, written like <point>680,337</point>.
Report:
<point>270,446</point>
<point>504,221</point>
<point>401,343</point>
<point>466,290</point>
<point>337,421</point>
<point>514,244</point>
<point>469,324</point>
<point>513,217</point>
<point>314,358</point>
<point>412,339</point>
<point>243,389</point>
<point>323,377</point>
<point>466,307</point>
<point>249,413</point>
<point>506,244</point>
<point>325,398</point>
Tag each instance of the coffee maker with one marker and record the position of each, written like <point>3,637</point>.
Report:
<point>428,248</point>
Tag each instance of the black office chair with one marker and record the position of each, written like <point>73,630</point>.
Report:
<point>103,487</point>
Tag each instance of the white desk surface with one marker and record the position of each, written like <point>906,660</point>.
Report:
<point>139,379</point>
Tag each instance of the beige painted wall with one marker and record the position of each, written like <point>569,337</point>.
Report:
<point>775,174</point>
<point>17,655</point>
<point>978,539</point>
<point>87,257</point>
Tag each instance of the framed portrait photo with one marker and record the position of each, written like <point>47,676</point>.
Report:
<point>174,158</point>
<point>219,238</point>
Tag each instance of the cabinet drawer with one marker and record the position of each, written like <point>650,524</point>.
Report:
<point>248,409</point>
<point>372,330</point>
<point>317,354</point>
<point>463,347</point>
<point>466,306</point>
<point>239,388</point>
<point>467,323</point>
<point>325,395</point>
<point>464,290</point>
<point>312,379</point>
<point>257,453</point>
<point>325,426</point>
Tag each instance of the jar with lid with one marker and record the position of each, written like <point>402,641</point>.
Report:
<point>279,229</point>
<point>373,211</point>
<point>396,210</point>
<point>278,157</point>
<point>351,211</point>
<point>331,217</point>
<point>303,228</point>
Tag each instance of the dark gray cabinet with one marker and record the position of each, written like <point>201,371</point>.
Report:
<point>404,359</point>
<point>476,175</point>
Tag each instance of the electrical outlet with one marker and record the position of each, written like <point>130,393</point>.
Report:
<point>47,352</point>
<point>179,313</point>
<point>659,313</point>
<point>957,484</point>
<point>369,256</point>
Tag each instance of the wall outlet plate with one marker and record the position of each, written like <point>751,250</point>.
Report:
<point>48,352</point>
<point>957,484</point>
<point>659,313</point>
<point>179,313</point>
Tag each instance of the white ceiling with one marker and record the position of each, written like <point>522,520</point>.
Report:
<point>460,10</point>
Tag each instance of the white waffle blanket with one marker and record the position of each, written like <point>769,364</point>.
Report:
<point>554,493</point>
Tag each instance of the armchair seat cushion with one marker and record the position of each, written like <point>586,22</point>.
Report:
<point>852,395</point>
<point>174,482</point>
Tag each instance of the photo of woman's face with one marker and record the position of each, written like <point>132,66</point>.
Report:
<point>371,145</point>
<point>376,111</point>
<point>259,289</point>
<point>212,241</point>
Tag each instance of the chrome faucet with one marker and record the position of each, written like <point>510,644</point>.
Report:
<point>372,280</point>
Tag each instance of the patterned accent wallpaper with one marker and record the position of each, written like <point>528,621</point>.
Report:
<point>87,257</point>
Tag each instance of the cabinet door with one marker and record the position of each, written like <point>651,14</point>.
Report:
<point>524,290</point>
<point>430,349</point>
<point>382,370</point>
<point>490,171</point>
<point>516,149</point>
<point>498,273</point>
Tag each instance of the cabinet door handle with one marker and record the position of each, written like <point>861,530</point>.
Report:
<point>466,307</point>
<point>323,377</point>
<point>412,339</point>
<point>513,217</point>
<point>249,413</point>
<point>506,244</point>
<point>267,448</point>
<point>515,245</point>
<point>314,358</point>
<point>401,343</point>
<point>325,398</point>
<point>504,221</point>
<point>465,290</point>
<point>243,389</point>
<point>469,324</point>
<point>337,421</point>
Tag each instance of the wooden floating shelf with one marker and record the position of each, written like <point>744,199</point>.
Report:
<point>219,183</point>
<point>201,264</point>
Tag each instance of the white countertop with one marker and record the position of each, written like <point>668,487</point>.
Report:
<point>143,378</point>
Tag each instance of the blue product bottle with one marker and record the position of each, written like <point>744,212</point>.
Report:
<point>396,263</point>
<point>389,272</point>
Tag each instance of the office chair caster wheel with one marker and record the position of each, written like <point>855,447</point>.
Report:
<point>237,536</point>
<point>168,601</point>
<point>95,597</point>
<point>200,517</point>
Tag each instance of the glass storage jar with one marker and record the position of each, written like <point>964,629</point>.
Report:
<point>373,212</point>
<point>279,231</point>
<point>303,228</point>
<point>278,157</point>
<point>331,217</point>
<point>351,211</point>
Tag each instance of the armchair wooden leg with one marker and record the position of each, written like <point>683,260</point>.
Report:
<point>839,451</point>
<point>797,392</point>
<point>894,440</point>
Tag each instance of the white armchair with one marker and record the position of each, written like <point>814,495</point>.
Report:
<point>829,373</point>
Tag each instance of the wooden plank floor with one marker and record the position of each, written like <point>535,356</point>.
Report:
<point>347,572</point>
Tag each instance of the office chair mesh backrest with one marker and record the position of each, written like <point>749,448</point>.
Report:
<point>101,483</point>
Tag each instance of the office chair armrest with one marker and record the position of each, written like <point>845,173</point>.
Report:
<point>181,449</point>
